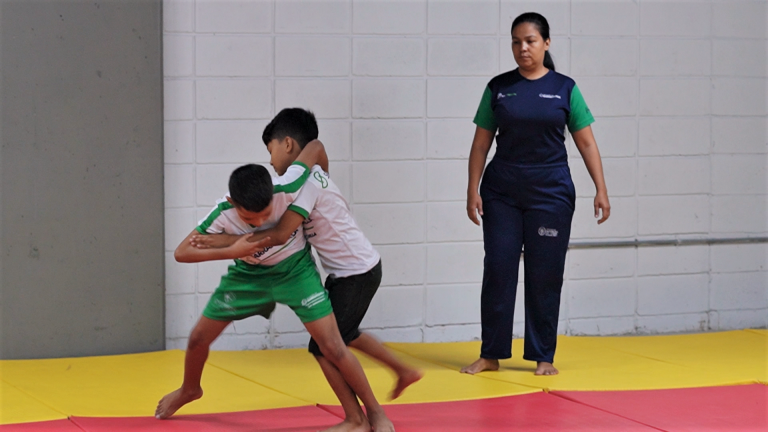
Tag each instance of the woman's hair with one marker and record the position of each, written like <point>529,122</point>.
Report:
<point>543,26</point>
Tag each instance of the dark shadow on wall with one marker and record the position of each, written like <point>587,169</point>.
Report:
<point>81,178</point>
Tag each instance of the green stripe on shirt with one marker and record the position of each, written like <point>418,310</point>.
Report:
<point>299,210</point>
<point>203,227</point>
<point>296,184</point>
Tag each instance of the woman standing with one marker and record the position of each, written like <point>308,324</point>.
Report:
<point>527,196</point>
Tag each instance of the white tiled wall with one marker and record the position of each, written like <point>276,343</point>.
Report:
<point>679,89</point>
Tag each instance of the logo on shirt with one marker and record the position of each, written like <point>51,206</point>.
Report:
<point>321,179</point>
<point>547,232</point>
<point>549,96</point>
<point>502,95</point>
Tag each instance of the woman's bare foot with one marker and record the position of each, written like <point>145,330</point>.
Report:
<point>171,402</point>
<point>544,368</point>
<point>380,422</point>
<point>480,365</point>
<point>403,381</point>
<point>349,426</point>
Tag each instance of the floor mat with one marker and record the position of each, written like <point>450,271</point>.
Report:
<point>537,412</point>
<point>295,372</point>
<point>307,418</point>
<point>732,408</point>
<point>42,426</point>
<point>18,407</point>
<point>131,385</point>
<point>622,363</point>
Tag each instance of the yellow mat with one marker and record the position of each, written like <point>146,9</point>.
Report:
<point>18,407</point>
<point>622,363</point>
<point>131,385</point>
<point>296,373</point>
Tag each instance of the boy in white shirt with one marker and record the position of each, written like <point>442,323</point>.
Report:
<point>262,275</point>
<point>352,264</point>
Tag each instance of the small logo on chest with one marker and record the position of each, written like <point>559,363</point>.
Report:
<point>502,95</point>
<point>549,96</point>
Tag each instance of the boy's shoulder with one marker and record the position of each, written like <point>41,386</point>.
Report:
<point>292,180</point>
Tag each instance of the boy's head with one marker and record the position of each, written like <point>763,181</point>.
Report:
<point>287,134</point>
<point>250,191</point>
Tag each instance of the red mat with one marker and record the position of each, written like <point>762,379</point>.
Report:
<point>729,408</point>
<point>45,426</point>
<point>273,420</point>
<point>539,412</point>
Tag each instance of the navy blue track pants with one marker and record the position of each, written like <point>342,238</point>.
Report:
<point>527,206</point>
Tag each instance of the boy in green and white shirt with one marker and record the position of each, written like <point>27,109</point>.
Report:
<point>352,264</point>
<point>263,275</point>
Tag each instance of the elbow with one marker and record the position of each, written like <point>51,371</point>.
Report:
<point>180,256</point>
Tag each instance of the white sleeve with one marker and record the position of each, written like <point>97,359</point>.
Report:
<point>305,202</point>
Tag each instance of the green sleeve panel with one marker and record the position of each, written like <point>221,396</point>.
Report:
<point>580,116</point>
<point>299,210</point>
<point>484,117</point>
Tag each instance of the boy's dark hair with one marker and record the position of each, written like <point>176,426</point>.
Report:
<point>250,187</point>
<point>297,123</point>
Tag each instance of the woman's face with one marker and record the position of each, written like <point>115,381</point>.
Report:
<point>528,47</point>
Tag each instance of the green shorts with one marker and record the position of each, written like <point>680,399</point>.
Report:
<point>248,290</point>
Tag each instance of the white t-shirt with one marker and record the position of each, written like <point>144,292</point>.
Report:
<point>223,219</point>
<point>329,227</point>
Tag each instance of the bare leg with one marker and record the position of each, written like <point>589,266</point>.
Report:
<point>205,332</point>
<point>354,417</point>
<point>406,375</point>
<point>544,368</point>
<point>326,333</point>
<point>480,365</point>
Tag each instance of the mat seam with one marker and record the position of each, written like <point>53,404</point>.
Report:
<point>263,385</point>
<point>606,411</point>
<point>38,400</point>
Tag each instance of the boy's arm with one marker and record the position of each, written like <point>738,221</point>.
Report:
<point>277,235</point>
<point>187,253</point>
<point>314,154</point>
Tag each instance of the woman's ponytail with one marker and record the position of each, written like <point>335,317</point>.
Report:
<point>548,62</point>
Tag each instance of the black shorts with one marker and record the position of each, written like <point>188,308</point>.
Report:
<point>350,297</point>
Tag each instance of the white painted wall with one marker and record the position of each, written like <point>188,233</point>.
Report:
<point>678,89</point>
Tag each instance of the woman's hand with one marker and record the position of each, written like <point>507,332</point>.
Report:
<point>474,207</point>
<point>602,204</point>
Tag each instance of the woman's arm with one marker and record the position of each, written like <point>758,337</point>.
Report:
<point>481,145</point>
<point>585,142</point>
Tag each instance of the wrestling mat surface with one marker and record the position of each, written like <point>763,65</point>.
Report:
<point>695,382</point>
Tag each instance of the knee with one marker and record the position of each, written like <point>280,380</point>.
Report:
<point>334,351</point>
<point>197,341</point>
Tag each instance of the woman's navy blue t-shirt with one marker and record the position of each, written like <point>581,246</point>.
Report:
<point>531,116</point>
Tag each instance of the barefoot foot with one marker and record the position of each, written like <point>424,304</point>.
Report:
<point>171,402</point>
<point>404,380</point>
<point>350,426</point>
<point>380,422</point>
<point>544,368</point>
<point>480,365</point>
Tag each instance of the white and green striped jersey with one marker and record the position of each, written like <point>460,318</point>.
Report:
<point>329,227</point>
<point>223,219</point>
